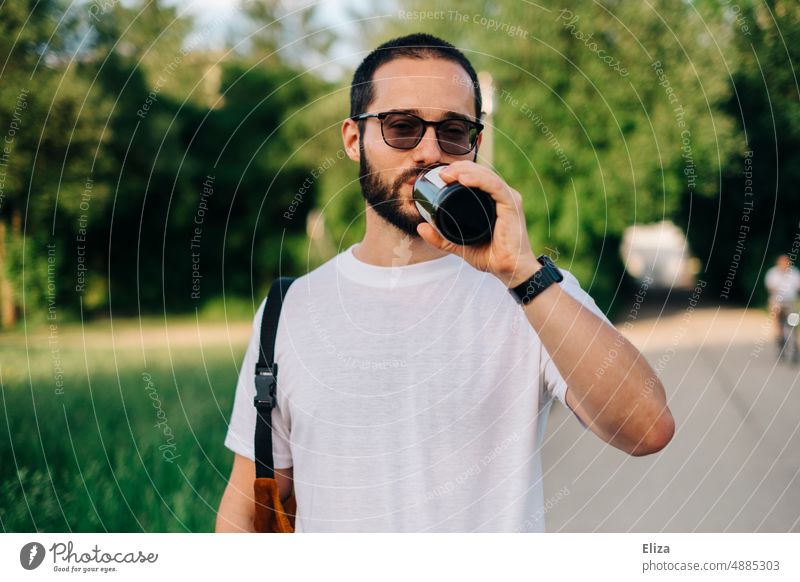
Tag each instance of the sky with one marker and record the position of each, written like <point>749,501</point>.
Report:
<point>219,16</point>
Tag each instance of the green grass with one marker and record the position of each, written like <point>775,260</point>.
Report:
<point>93,458</point>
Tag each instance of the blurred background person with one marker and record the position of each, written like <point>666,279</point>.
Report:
<point>783,283</point>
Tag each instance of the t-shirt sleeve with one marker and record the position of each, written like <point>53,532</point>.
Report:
<point>769,281</point>
<point>554,383</point>
<point>241,430</point>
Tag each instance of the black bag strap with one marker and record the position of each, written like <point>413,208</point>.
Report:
<point>267,377</point>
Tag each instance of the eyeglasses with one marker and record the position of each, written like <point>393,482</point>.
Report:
<point>404,131</point>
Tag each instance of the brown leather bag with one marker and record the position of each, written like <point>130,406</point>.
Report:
<point>271,516</point>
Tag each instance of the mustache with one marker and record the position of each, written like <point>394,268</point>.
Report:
<point>412,173</point>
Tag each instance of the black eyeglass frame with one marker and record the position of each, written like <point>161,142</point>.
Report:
<point>425,123</point>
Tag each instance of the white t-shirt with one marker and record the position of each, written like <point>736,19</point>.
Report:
<point>783,285</point>
<point>410,399</point>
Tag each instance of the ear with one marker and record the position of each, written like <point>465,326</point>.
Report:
<point>477,147</point>
<point>350,137</point>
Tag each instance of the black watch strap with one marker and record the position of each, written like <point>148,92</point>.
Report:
<point>525,292</point>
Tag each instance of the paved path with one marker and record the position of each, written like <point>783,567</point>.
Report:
<point>734,463</point>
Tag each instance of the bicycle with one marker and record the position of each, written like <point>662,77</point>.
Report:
<point>789,350</point>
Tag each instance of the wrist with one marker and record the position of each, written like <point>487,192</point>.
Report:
<point>522,272</point>
<point>530,288</point>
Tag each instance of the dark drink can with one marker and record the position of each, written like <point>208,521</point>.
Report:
<point>462,215</point>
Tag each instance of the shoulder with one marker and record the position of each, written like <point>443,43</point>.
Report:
<point>571,285</point>
<point>570,281</point>
<point>314,279</point>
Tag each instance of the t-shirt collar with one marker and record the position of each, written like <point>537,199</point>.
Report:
<point>401,275</point>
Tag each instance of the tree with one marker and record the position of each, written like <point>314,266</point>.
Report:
<point>51,131</point>
<point>200,181</point>
<point>755,218</point>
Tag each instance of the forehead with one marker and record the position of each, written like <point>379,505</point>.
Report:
<point>431,86</point>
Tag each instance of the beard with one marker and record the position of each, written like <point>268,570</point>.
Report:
<point>386,200</point>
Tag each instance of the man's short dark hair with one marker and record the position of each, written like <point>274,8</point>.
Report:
<point>414,46</point>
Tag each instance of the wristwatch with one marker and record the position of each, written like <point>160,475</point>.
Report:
<point>541,280</point>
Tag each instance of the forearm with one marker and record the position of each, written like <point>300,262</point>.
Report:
<point>623,405</point>
<point>614,385</point>
<point>236,511</point>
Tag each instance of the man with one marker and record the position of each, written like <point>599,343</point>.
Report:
<point>413,387</point>
<point>783,283</point>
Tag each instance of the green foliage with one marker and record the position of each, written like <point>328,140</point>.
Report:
<point>93,458</point>
<point>756,216</point>
<point>137,122</point>
<point>317,126</point>
<point>51,127</point>
<point>123,120</point>
<point>178,228</point>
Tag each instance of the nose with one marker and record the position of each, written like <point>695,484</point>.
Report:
<point>427,151</point>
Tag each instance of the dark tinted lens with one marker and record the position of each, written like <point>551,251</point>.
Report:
<point>457,136</point>
<point>402,131</point>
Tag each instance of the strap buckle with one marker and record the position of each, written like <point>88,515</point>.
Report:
<point>266,384</point>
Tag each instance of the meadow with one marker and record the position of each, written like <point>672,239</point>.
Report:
<point>116,425</point>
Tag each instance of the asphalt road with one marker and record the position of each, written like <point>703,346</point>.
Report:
<point>734,463</point>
